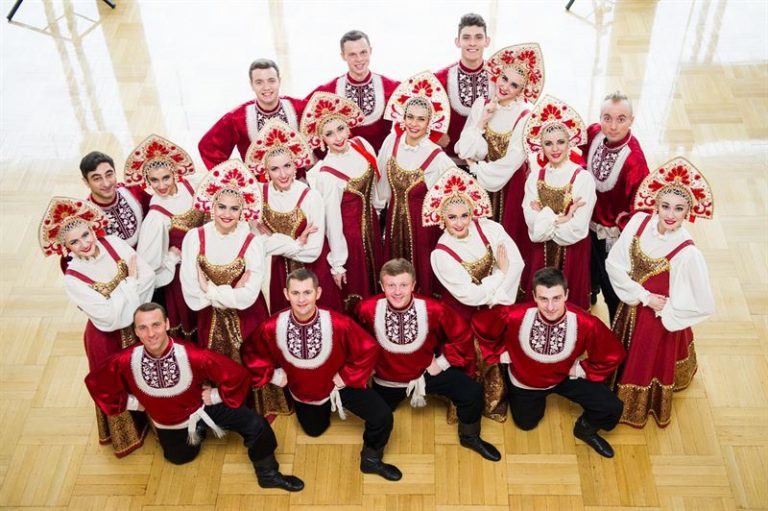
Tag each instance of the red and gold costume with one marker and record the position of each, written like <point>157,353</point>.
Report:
<point>643,261</point>
<point>125,213</point>
<point>565,246</point>
<point>408,171</point>
<point>239,128</point>
<point>226,314</point>
<point>464,86</point>
<point>346,181</point>
<point>371,95</point>
<point>101,287</point>
<point>167,222</point>
<point>311,353</point>
<point>498,147</point>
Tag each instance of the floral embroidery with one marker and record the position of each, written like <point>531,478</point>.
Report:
<point>262,118</point>
<point>546,338</point>
<point>401,326</point>
<point>472,86</point>
<point>363,95</point>
<point>603,162</point>
<point>122,219</point>
<point>160,373</point>
<point>304,340</point>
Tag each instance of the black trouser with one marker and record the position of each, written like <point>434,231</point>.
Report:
<point>453,383</point>
<point>599,275</point>
<point>257,434</point>
<point>602,409</point>
<point>364,403</point>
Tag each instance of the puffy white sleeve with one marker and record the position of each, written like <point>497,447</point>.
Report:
<point>618,265</point>
<point>541,224</point>
<point>506,293</point>
<point>456,279</point>
<point>313,173</point>
<point>283,245</point>
<point>690,294</point>
<point>145,280</point>
<point>437,168</point>
<point>106,314</point>
<point>153,248</point>
<point>577,228</point>
<point>190,286</point>
<point>332,191</point>
<point>471,143</point>
<point>494,175</point>
<point>228,297</point>
<point>382,192</point>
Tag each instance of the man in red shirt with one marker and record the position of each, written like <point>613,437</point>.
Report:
<point>552,347</point>
<point>170,379</point>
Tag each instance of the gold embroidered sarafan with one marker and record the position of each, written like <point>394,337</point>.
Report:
<point>225,336</point>
<point>105,289</point>
<point>497,143</point>
<point>482,266</point>
<point>287,223</point>
<point>362,186</point>
<point>402,182</point>
<point>190,219</point>
<point>558,199</point>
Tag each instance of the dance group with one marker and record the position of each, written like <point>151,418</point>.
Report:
<point>502,216</point>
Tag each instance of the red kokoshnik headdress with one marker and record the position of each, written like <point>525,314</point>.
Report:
<point>427,87</point>
<point>679,176</point>
<point>153,152</point>
<point>60,215</point>
<point>231,176</point>
<point>323,107</point>
<point>274,136</point>
<point>551,113</point>
<point>454,184</point>
<point>525,58</point>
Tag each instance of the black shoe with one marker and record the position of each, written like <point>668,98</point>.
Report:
<point>370,463</point>
<point>588,434</point>
<point>469,437</point>
<point>269,477</point>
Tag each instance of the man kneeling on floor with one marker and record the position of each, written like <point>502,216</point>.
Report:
<point>554,347</point>
<point>170,379</point>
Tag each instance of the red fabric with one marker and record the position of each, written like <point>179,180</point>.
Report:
<point>100,345</point>
<point>498,330</point>
<point>353,356</point>
<point>654,350</point>
<point>232,131</point>
<point>111,383</point>
<point>141,196</point>
<point>456,126</point>
<point>449,335</point>
<point>358,146</point>
<point>616,203</point>
<point>374,133</point>
<point>513,220</point>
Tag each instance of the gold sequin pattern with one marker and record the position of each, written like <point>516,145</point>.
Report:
<point>402,182</point>
<point>125,431</point>
<point>105,288</point>
<point>283,223</point>
<point>190,219</point>
<point>481,267</point>
<point>270,400</point>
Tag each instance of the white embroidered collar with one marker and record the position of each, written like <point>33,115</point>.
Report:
<point>326,340</point>
<point>524,336</point>
<point>380,328</point>
<point>178,352</point>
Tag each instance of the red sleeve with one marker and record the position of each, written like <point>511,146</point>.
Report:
<point>592,131</point>
<point>604,351</point>
<point>365,311</point>
<point>490,327</point>
<point>635,170</point>
<point>326,87</point>
<point>442,76</point>
<point>362,351</point>
<point>217,144</point>
<point>456,339</point>
<point>232,379</point>
<point>141,196</point>
<point>107,387</point>
<point>389,87</point>
<point>257,356</point>
<point>298,105</point>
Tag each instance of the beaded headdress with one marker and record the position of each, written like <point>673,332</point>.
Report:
<point>552,114</point>
<point>61,215</point>
<point>233,177</point>
<point>274,137</point>
<point>423,89</point>
<point>524,58</point>
<point>678,176</point>
<point>453,186</point>
<point>323,107</point>
<point>155,152</point>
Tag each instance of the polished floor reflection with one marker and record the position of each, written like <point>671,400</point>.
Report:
<point>77,76</point>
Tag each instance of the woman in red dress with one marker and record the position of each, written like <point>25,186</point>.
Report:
<point>663,283</point>
<point>165,169</point>
<point>345,178</point>
<point>107,281</point>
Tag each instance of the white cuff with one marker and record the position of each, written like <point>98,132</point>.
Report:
<point>579,370</point>
<point>277,376</point>
<point>443,362</point>
<point>133,404</point>
<point>645,297</point>
<point>215,396</point>
<point>504,358</point>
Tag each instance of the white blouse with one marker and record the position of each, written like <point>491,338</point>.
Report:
<point>115,312</point>
<point>331,188</point>
<point>221,249</point>
<point>312,207</point>
<point>690,295</point>
<point>541,224</point>
<point>409,158</point>
<point>493,176</point>
<point>497,288</point>
<point>154,240</point>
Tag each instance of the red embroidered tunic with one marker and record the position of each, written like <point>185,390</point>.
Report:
<point>311,353</point>
<point>541,354</point>
<point>409,338</point>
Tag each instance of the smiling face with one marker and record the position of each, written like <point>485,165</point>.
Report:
<point>416,123</point>
<point>472,41</point>
<point>672,209</point>
<point>554,143</point>
<point>266,84</point>
<point>227,209</point>
<point>616,119</point>
<point>103,183</point>
<point>357,55</point>
<point>398,289</point>
<point>303,296</point>
<point>509,85</point>
<point>335,135</point>
<point>281,170</point>
<point>162,181</point>
<point>80,240</point>
<point>550,301</point>
<point>457,217</point>
<point>152,330</point>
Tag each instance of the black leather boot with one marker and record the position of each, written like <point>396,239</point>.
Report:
<point>469,437</point>
<point>270,477</point>
<point>588,434</point>
<point>370,463</point>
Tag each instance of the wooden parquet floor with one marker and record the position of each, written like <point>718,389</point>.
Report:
<point>77,76</point>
